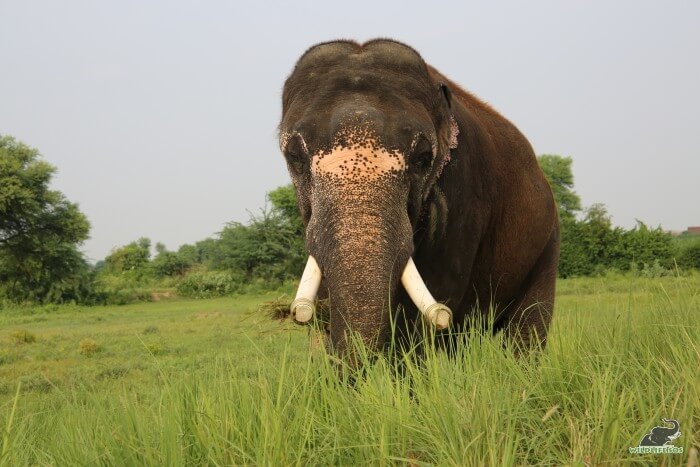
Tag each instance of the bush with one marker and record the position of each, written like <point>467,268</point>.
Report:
<point>121,289</point>
<point>653,270</point>
<point>592,245</point>
<point>689,257</point>
<point>168,263</point>
<point>207,284</point>
<point>132,257</point>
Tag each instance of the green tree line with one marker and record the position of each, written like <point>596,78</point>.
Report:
<point>41,233</point>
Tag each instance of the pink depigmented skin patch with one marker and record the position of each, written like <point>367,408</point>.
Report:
<point>357,154</point>
<point>370,160</point>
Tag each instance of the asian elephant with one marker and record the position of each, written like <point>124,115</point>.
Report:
<point>412,188</point>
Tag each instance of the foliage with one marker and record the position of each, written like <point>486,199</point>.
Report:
<point>270,246</point>
<point>169,263</point>
<point>207,284</point>
<point>590,244</point>
<point>690,257</point>
<point>688,251</point>
<point>284,201</point>
<point>557,170</point>
<point>40,231</point>
<point>120,289</point>
<point>261,254</point>
<point>132,258</point>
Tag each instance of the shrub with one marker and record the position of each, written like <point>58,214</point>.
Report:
<point>88,347</point>
<point>690,256</point>
<point>121,289</point>
<point>133,257</point>
<point>169,263</point>
<point>654,270</point>
<point>207,284</point>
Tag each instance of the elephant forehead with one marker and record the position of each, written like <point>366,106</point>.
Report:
<point>357,158</point>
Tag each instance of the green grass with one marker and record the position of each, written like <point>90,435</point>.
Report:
<point>193,382</point>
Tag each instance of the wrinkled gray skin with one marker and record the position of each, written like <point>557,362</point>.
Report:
<point>388,164</point>
<point>348,147</point>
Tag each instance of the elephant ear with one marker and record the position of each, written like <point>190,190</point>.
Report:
<point>454,132</point>
<point>454,128</point>
<point>447,131</point>
<point>447,94</point>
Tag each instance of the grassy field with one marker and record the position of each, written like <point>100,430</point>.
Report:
<point>214,382</point>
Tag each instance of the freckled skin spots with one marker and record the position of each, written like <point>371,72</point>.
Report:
<point>357,155</point>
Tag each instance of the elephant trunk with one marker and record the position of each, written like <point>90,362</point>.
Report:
<point>361,237</point>
<point>675,424</point>
<point>361,241</point>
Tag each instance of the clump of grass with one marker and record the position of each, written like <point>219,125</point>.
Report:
<point>156,348</point>
<point>23,337</point>
<point>276,309</point>
<point>113,373</point>
<point>88,347</point>
<point>7,358</point>
<point>279,309</point>
<point>36,383</point>
<point>150,330</point>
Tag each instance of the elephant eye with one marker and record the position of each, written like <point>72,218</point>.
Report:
<point>421,157</point>
<point>296,156</point>
<point>297,162</point>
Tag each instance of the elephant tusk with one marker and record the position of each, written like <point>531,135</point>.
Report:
<point>302,307</point>
<point>438,314</point>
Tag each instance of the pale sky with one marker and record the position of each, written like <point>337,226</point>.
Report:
<point>161,116</point>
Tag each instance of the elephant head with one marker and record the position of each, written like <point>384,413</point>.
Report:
<point>365,132</point>
<point>659,435</point>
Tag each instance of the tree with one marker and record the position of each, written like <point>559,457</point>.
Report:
<point>557,170</point>
<point>170,263</point>
<point>132,258</point>
<point>270,246</point>
<point>284,202</point>
<point>40,231</point>
<point>265,248</point>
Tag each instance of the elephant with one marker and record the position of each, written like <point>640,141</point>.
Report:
<point>659,435</point>
<point>419,201</point>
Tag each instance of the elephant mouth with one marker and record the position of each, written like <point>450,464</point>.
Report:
<point>437,314</point>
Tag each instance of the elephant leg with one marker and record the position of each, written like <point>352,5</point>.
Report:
<point>527,326</point>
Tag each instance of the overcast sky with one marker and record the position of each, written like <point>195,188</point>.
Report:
<point>161,116</point>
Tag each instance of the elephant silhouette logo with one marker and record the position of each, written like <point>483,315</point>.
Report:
<point>659,440</point>
<point>661,435</point>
